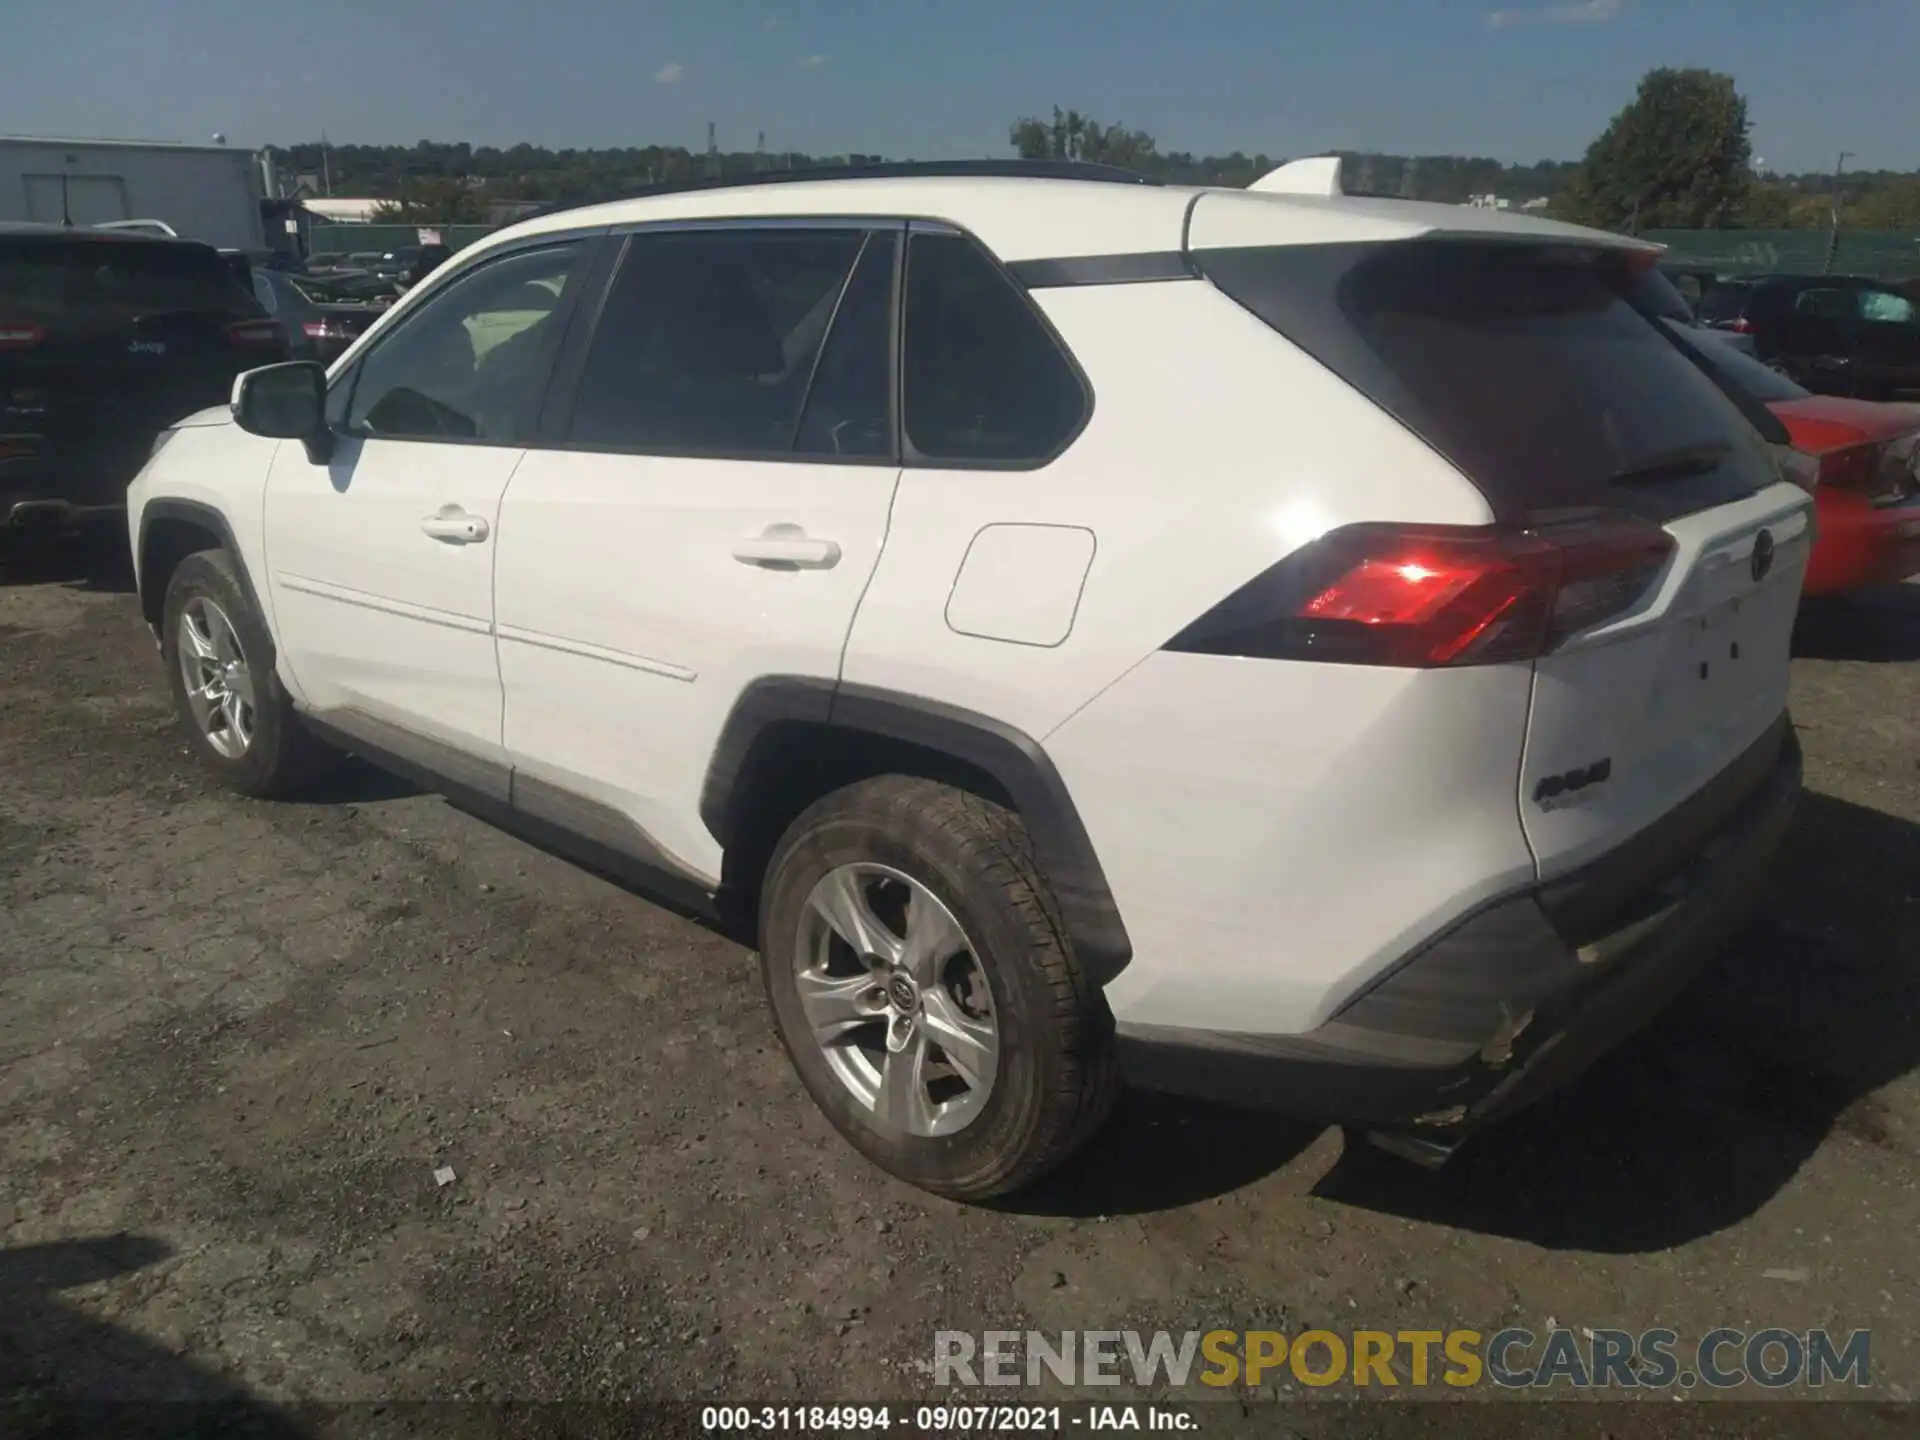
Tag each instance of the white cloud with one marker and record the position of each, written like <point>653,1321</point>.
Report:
<point>772,22</point>
<point>670,73</point>
<point>814,62</point>
<point>1584,12</point>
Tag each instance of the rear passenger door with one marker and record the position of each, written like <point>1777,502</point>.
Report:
<point>704,506</point>
<point>1816,339</point>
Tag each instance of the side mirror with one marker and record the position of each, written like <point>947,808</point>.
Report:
<point>285,402</point>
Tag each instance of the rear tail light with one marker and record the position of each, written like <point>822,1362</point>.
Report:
<point>1740,325</point>
<point>1431,596</point>
<point>1854,467</point>
<point>20,334</point>
<point>254,334</point>
<point>1882,472</point>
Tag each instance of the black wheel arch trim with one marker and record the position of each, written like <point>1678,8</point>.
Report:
<point>193,512</point>
<point>1013,760</point>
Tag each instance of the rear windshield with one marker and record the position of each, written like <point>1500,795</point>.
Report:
<point>1528,367</point>
<point>1724,302</point>
<point>57,278</point>
<point>1736,368</point>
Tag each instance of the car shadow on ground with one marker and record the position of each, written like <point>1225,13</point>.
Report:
<point>1163,1152</point>
<point>1697,1123</point>
<point>96,560</point>
<point>1686,1129</point>
<point>1877,626</point>
<point>64,1372</point>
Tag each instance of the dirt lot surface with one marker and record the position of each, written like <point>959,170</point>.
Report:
<point>238,1039</point>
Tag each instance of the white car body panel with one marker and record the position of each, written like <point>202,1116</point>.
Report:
<point>1671,693</point>
<point>629,627</point>
<point>209,461</point>
<point>375,616</point>
<point>1183,512</point>
<point>1275,834</point>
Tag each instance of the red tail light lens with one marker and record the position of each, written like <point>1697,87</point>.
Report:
<point>1740,325</point>
<point>1855,467</point>
<point>254,334</point>
<point>1877,471</point>
<point>20,334</point>
<point>1431,596</point>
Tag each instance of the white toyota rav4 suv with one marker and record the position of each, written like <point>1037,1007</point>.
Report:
<point>1317,652</point>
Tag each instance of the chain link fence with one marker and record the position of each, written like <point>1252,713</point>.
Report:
<point>1883,255</point>
<point>379,239</point>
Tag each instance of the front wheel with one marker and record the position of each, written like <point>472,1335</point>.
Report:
<point>238,718</point>
<point>923,985</point>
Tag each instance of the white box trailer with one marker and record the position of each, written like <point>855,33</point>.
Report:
<point>204,192</point>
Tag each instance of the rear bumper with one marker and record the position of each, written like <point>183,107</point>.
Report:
<point>1518,998</point>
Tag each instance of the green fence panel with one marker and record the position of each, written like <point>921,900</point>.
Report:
<point>355,239</point>
<point>1885,255</point>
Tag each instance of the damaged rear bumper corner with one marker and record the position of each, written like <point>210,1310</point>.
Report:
<point>1517,999</point>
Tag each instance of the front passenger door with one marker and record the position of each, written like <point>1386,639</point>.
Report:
<point>380,561</point>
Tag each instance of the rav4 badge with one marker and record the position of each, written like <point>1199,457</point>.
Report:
<point>1574,787</point>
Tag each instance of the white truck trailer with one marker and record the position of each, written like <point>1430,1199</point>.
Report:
<point>204,192</point>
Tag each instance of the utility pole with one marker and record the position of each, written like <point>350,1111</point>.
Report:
<point>1833,234</point>
<point>713,151</point>
<point>326,166</point>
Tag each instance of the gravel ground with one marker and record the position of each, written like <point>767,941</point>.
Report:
<point>237,1040</point>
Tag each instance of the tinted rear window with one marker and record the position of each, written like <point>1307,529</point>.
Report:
<point>57,278</point>
<point>1738,369</point>
<point>1724,302</point>
<point>1528,367</point>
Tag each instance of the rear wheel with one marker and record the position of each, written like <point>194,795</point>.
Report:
<point>923,985</point>
<point>239,719</point>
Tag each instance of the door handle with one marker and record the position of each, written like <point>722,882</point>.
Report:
<point>455,526</point>
<point>787,548</point>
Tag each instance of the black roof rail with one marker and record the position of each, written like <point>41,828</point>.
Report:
<point>886,170</point>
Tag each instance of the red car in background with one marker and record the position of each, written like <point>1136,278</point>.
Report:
<point>1862,461</point>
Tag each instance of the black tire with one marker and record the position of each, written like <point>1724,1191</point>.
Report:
<point>1058,1078</point>
<point>283,755</point>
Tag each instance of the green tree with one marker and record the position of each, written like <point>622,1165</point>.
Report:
<point>1678,157</point>
<point>1069,135</point>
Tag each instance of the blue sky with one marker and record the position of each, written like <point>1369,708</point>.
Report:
<point>927,80</point>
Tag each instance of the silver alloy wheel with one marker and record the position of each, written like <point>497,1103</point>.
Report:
<point>896,1000</point>
<point>219,685</point>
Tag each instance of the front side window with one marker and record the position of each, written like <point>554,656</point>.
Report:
<point>710,341</point>
<point>473,362</point>
<point>983,379</point>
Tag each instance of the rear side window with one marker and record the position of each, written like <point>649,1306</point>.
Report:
<point>850,405</point>
<point>1723,303</point>
<point>1528,367</point>
<point>116,279</point>
<point>1736,369</point>
<point>984,380</point>
<point>708,343</point>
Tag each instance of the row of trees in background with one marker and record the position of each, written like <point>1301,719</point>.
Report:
<point>1679,156</point>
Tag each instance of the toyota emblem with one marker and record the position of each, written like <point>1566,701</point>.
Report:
<point>1762,555</point>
